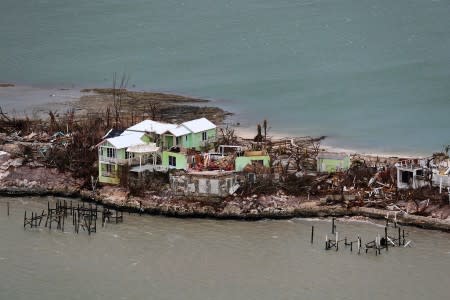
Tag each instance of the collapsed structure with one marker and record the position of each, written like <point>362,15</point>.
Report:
<point>199,166</point>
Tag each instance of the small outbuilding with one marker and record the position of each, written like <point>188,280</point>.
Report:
<point>332,162</point>
<point>252,158</point>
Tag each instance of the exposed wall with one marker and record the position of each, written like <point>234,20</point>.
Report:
<point>242,161</point>
<point>332,165</point>
<point>181,160</point>
<point>196,140</point>
<point>194,185</point>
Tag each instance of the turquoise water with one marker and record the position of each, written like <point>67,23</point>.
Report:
<point>371,75</point>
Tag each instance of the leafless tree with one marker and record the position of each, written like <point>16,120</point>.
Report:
<point>118,93</point>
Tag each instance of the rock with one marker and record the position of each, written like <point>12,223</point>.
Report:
<point>11,148</point>
<point>16,162</point>
<point>232,208</point>
<point>411,207</point>
<point>35,164</point>
<point>4,175</point>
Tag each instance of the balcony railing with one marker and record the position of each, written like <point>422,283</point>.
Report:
<point>120,161</point>
<point>149,167</point>
<point>113,160</point>
<point>109,174</point>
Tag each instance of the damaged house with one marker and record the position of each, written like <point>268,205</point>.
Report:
<point>153,146</point>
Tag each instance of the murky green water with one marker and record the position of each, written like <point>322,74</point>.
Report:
<point>370,74</point>
<point>150,257</point>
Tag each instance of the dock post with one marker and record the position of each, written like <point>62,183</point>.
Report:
<point>25,219</point>
<point>399,237</point>
<point>312,234</point>
<point>403,236</point>
<point>50,224</point>
<point>7,208</point>
<point>386,238</point>
<point>333,227</point>
<point>337,241</point>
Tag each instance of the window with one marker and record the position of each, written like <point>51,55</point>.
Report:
<point>185,138</point>
<point>204,136</point>
<point>110,152</point>
<point>129,155</point>
<point>177,140</point>
<point>172,161</point>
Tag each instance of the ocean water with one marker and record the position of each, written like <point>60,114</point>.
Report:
<point>372,75</point>
<point>150,257</point>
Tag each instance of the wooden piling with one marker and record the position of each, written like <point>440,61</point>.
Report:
<point>337,241</point>
<point>312,234</point>
<point>333,227</point>
<point>7,208</point>
<point>386,238</point>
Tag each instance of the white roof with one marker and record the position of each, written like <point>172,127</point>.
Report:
<point>199,125</point>
<point>179,131</point>
<point>152,126</point>
<point>127,139</point>
<point>146,148</point>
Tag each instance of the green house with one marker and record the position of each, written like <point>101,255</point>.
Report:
<point>139,147</point>
<point>251,157</point>
<point>198,134</point>
<point>113,155</point>
<point>332,162</point>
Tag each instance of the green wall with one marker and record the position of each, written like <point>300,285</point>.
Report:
<point>110,180</point>
<point>242,161</point>
<point>330,165</point>
<point>181,160</point>
<point>196,138</point>
<point>120,154</point>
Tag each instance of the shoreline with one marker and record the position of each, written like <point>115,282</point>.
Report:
<point>23,175</point>
<point>307,209</point>
<point>72,96</point>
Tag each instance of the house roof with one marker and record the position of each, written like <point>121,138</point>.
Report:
<point>199,125</point>
<point>127,139</point>
<point>179,131</point>
<point>332,155</point>
<point>145,148</point>
<point>152,126</point>
<point>193,126</point>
